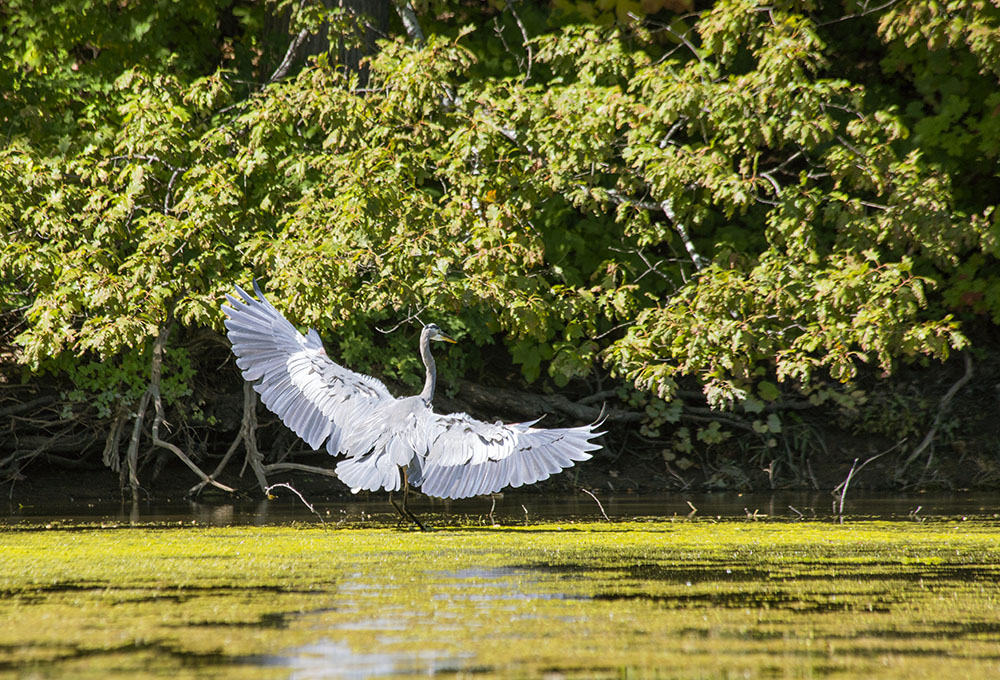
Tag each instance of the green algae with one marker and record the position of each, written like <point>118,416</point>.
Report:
<point>688,598</point>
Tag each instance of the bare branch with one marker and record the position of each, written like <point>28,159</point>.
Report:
<point>299,467</point>
<point>267,492</point>
<point>411,317</point>
<point>687,43</point>
<point>524,36</point>
<point>668,209</point>
<point>942,410</point>
<point>596,501</point>
<point>865,11</point>
<point>618,197</point>
<point>290,55</point>
<point>110,455</point>
<point>409,18</point>
<point>528,404</point>
<point>840,493</point>
<point>153,392</point>
<point>23,406</point>
<point>132,457</point>
<point>149,158</point>
<point>168,197</point>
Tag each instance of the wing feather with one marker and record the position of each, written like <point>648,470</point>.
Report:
<point>315,397</point>
<point>448,456</point>
<point>467,457</point>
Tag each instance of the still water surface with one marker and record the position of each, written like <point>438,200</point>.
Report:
<point>523,508</point>
<point>767,586</point>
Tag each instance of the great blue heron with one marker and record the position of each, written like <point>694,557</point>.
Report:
<point>389,443</point>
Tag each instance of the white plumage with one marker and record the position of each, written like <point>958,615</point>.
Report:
<point>387,442</point>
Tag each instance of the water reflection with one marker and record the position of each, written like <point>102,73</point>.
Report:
<point>450,592</point>
<point>327,658</point>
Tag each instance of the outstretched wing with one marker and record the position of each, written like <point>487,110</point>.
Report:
<point>467,457</point>
<point>316,398</point>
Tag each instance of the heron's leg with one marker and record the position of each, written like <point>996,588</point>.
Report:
<point>406,493</point>
<point>402,515</point>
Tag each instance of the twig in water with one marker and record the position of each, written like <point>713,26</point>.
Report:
<point>840,493</point>
<point>792,508</point>
<point>770,473</point>
<point>694,510</point>
<point>267,493</point>
<point>492,508</point>
<point>525,513</point>
<point>596,501</point>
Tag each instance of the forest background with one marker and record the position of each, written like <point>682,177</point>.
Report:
<point>761,234</point>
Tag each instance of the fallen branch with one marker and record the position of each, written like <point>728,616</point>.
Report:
<point>248,437</point>
<point>596,501</point>
<point>840,492</point>
<point>942,410</point>
<point>22,407</point>
<point>267,493</point>
<point>277,467</point>
<point>153,393</point>
<point>533,405</point>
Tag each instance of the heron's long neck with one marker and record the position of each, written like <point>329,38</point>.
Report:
<point>429,382</point>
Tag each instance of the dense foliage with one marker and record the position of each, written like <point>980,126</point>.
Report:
<point>761,201</point>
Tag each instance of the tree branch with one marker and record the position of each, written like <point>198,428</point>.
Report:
<point>248,437</point>
<point>23,406</point>
<point>290,56</point>
<point>153,392</point>
<point>132,456</point>
<point>533,405</point>
<point>942,410</point>
<point>409,18</point>
<point>110,456</point>
<point>526,40</point>
<point>668,209</point>
<point>276,467</point>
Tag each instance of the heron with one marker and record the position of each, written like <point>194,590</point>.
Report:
<point>389,443</point>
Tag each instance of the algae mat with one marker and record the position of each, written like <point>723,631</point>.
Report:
<point>685,599</point>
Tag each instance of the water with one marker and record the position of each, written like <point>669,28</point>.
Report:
<point>743,586</point>
<point>515,509</point>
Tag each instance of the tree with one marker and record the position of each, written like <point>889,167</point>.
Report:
<point>732,201</point>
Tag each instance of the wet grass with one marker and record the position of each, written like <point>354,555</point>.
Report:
<point>688,598</point>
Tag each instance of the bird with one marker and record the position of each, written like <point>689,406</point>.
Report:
<point>389,443</point>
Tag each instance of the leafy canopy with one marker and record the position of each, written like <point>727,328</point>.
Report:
<point>733,196</point>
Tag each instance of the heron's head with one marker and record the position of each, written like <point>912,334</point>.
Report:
<point>435,333</point>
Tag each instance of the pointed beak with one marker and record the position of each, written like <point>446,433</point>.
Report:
<point>446,338</point>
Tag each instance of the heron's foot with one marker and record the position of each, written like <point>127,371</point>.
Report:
<point>415,519</point>
<point>405,513</point>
